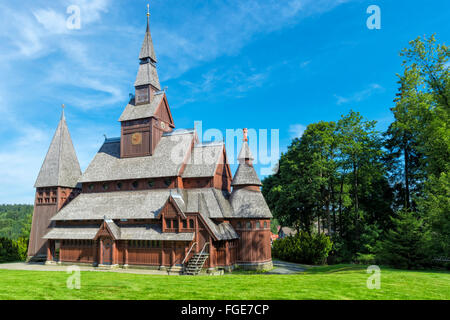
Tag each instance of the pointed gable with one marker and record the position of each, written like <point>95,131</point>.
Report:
<point>61,166</point>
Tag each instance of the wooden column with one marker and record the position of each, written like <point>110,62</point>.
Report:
<point>172,253</point>
<point>197,247</point>
<point>95,250</point>
<point>126,252</point>
<point>101,252</point>
<point>162,253</point>
<point>210,252</point>
<point>227,254</point>
<point>49,250</point>
<point>114,253</point>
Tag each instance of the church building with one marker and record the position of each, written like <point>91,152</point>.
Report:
<point>154,197</point>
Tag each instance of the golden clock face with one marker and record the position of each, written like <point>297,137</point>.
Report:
<point>136,138</point>
<point>163,125</point>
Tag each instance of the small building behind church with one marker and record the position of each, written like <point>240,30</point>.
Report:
<point>154,197</point>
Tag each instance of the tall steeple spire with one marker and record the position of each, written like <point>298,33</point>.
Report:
<point>147,50</point>
<point>61,167</point>
<point>147,74</point>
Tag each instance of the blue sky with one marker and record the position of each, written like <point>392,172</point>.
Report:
<point>262,64</point>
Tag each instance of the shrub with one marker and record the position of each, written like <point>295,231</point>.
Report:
<point>365,258</point>
<point>13,250</point>
<point>303,248</point>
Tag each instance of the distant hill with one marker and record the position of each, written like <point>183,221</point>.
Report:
<point>15,220</point>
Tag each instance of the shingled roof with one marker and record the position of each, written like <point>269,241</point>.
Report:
<point>144,204</point>
<point>60,167</point>
<point>166,161</point>
<point>204,160</point>
<point>245,175</point>
<point>147,50</point>
<point>133,112</point>
<point>245,152</point>
<point>135,232</point>
<point>249,204</point>
<point>147,74</point>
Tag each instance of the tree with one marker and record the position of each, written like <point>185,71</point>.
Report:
<point>405,245</point>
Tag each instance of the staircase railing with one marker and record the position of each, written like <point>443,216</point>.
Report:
<point>187,255</point>
<point>201,252</point>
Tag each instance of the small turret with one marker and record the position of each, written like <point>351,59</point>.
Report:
<point>245,175</point>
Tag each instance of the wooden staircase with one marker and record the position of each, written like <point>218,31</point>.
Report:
<point>195,264</point>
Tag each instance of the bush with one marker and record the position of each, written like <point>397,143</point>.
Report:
<point>365,258</point>
<point>303,248</point>
<point>13,250</point>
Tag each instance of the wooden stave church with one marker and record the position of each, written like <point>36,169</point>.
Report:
<point>152,198</point>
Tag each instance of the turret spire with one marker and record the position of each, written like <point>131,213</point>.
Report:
<point>61,167</point>
<point>245,174</point>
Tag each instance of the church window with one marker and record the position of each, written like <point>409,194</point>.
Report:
<point>175,224</point>
<point>184,224</point>
<point>151,183</point>
<point>135,184</point>
<point>167,182</point>
<point>168,223</point>
<point>249,225</point>
<point>105,186</point>
<point>258,225</point>
<point>265,224</point>
<point>119,185</point>
<point>91,187</point>
<point>239,225</point>
<point>191,223</point>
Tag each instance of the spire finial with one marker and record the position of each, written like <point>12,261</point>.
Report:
<point>62,113</point>
<point>245,134</point>
<point>148,17</point>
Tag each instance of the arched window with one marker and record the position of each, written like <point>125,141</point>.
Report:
<point>191,223</point>
<point>265,224</point>
<point>248,225</point>
<point>135,184</point>
<point>258,225</point>
<point>239,225</point>
<point>119,185</point>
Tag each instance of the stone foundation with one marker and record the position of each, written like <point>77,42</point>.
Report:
<point>257,266</point>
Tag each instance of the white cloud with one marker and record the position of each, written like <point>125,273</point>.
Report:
<point>296,130</point>
<point>360,95</point>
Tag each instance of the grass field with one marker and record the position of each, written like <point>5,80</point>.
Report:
<point>329,282</point>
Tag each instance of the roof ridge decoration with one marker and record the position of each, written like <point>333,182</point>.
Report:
<point>60,166</point>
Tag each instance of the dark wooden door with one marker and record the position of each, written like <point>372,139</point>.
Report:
<point>107,251</point>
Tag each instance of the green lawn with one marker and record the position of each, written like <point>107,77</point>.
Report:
<point>330,282</point>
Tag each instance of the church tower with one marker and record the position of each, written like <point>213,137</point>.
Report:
<point>56,185</point>
<point>147,116</point>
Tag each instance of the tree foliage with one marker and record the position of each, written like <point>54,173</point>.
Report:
<point>363,188</point>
